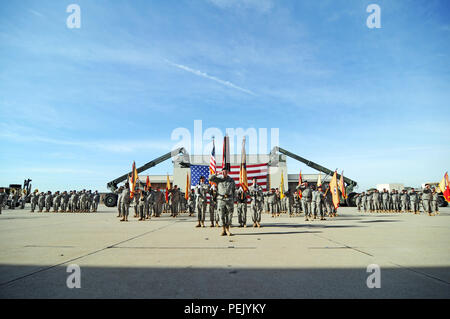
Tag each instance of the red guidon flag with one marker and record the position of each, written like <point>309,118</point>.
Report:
<point>243,169</point>
<point>342,186</point>
<point>300,182</point>
<point>133,179</point>
<point>444,186</point>
<point>334,190</point>
<point>226,164</point>
<point>147,183</point>
<point>188,187</point>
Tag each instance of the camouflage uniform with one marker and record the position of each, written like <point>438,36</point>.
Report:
<point>226,188</point>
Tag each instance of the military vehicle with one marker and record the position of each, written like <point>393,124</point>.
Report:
<point>110,199</point>
<point>349,183</point>
<point>19,189</point>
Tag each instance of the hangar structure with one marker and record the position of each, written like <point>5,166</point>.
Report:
<point>276,170</point>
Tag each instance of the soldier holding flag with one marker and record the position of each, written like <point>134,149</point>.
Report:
<point>226,188</point>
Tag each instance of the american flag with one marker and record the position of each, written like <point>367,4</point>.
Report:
<point>258,171</point>
<point>212,161</point>
<point>197,171</point>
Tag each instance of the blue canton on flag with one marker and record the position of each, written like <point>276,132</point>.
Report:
<point>197,171</point>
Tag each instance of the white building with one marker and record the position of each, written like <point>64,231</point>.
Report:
<point>390,187</point>
<point>276,167</point>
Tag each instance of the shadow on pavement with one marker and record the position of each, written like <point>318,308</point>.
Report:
<point>229,281</point>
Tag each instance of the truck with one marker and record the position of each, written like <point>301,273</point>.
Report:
<point>19,189</point>
<point>110,199</point>
<point>349,183</point>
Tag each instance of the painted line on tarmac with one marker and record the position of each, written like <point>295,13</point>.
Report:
<point>400,266</point>
<point>421,273</point>
<point>85,255</point>
<point>183,247</point>
<point>344,245</point>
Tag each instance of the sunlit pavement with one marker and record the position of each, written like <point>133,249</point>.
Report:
<point>169,258</point>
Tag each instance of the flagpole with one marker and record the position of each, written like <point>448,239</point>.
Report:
<point>328,183</point>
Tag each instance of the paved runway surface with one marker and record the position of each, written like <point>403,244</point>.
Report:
<point>170,258</point>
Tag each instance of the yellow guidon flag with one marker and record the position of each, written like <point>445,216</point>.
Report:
<point>188,187</point>
<point>281,186</point>
<point>243,169</point>
<point>133,179</point>
<point>342,186</point>
<point>319,180</point>
<point>300,182</point>
<point>334,190</point>
<point>168,188</point>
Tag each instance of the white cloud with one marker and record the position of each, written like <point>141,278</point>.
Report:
<point>116,146</point>
<point>207,76</point>
<point>36,13</point>
<point>259,5</point>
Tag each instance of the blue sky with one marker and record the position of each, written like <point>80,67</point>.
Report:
<point>77,106</point>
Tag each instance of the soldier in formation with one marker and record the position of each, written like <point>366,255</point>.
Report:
<point>201,191</point>
<point>226,189</point>
<point>296,203</point>
<point>212,206</point>
<point>191,202</point>
<point>174,200</point>
<point>435,202</point>
<point>126,201</point>
<point>414,201</point>
<point>306,199</point>
<point>241,199</point>
<point>427,198</point>
<point>2,198</point>
<point>395,202</point>
<point>34,200</point>
<point>257,199</point>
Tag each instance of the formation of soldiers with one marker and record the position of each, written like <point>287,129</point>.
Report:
<point>149,203</point>
<point>403,201</point>
<point>73,201</point>
<point>221,198</point>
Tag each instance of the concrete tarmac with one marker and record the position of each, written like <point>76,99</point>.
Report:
<point>169,258</point>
